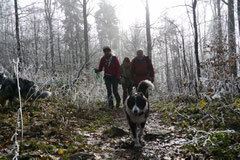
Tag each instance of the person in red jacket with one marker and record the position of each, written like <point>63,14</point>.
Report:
<point>141,68</point>
<point>112,70</point>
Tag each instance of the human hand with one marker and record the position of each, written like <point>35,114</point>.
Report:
<point>95,70</point>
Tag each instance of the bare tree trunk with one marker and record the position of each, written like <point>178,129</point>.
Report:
<point>184,63</point>
<point>76,52</point>
<point>49,11</point>
<point>238,8</point>
<point>51,44</point>
<point>173,67</point>
<point>65,57</point>
<point>36,38</point>
<point>231,36</point>
<point>81,53</point>
<point>71,49</point>
<point>167,65</point>
<point>219,27</point>
<point>148,32</point>
<point>46,53</point>
<point>196,39</point>
<point>59,50</point>
<point>179,67</point>
<point>17,34</point>
<point>86,34</point>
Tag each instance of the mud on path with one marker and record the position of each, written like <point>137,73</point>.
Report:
<point>55,131</point>
<point>159,141</point>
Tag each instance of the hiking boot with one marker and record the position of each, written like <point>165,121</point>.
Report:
<point>118,105</point>
<point>110,107</point>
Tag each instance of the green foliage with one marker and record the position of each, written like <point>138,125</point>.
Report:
<point>220,145</point>
<point>215,120</point>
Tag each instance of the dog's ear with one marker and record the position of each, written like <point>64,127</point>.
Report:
<point>132,92</point>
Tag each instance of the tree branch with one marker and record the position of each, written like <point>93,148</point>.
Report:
<point>224,2</point>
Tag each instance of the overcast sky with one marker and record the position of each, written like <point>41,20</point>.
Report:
<point>130,11</point>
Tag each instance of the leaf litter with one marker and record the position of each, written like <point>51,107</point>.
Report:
<point>58,131</point>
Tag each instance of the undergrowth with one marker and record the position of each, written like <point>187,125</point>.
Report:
<point>212,127</point>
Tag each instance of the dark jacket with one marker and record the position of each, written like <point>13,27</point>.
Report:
<point>142,69</point>
<point>111,67</point>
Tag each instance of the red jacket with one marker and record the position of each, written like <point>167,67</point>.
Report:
<point>113,68</point>
<point>142,70</point>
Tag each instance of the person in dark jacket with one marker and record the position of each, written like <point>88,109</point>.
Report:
<point>112,70</point>
<point>141,68</point>
<point>125,79</point>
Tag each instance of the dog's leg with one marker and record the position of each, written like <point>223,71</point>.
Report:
<point>136,138</point>
<point>11,101</point>
<point>133,128</point>
<point>141,128</point>
<point>3,99</point>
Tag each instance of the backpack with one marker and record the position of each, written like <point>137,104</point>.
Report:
<point>146,59</point>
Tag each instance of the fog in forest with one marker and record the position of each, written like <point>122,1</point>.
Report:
<point>56,50</point>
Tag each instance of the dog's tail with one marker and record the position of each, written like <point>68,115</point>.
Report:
<point>143,87</point>
<point>43,94</point>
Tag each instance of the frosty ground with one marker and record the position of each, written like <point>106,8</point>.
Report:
<point>174,130</point>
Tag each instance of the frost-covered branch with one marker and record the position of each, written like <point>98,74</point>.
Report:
<point>19,117</point>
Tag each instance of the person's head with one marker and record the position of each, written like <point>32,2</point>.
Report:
<point>140,54</point>
<point>126,61</point>
<point>107,51</point>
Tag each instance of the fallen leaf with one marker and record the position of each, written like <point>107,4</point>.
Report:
<point>60,151</point>
<point>202,103</point>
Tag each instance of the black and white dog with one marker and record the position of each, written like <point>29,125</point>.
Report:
<point>137,110</point>
<point>28,90</point>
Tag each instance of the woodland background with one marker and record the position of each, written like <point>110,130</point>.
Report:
<point>59,42</point>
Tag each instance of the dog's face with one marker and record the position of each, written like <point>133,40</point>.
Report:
<point>137,104</point>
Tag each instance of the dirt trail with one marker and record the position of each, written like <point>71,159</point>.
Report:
<point>160,142</point>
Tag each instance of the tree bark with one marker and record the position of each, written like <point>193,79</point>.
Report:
<point>179,67</point>
<point>167,65</point>
<point>36,39</point>
<point>196,39</point>
<point>184,62</point>
<point>148,32</point>
<point>219,27</point>
<point>51,44</point>
<point>86,34</point>
<point>49,11</point>
<point>59,50</point>
<point>231,37</point>
<point>17,34</point>
<point>174,74</point>
<point>238,8</point>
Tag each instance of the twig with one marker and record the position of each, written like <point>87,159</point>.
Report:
<point>224,2</point>
<point>81,69</point>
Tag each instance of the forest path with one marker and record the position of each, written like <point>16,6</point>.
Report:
<point>159,141</point>
<point>55,131</point>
